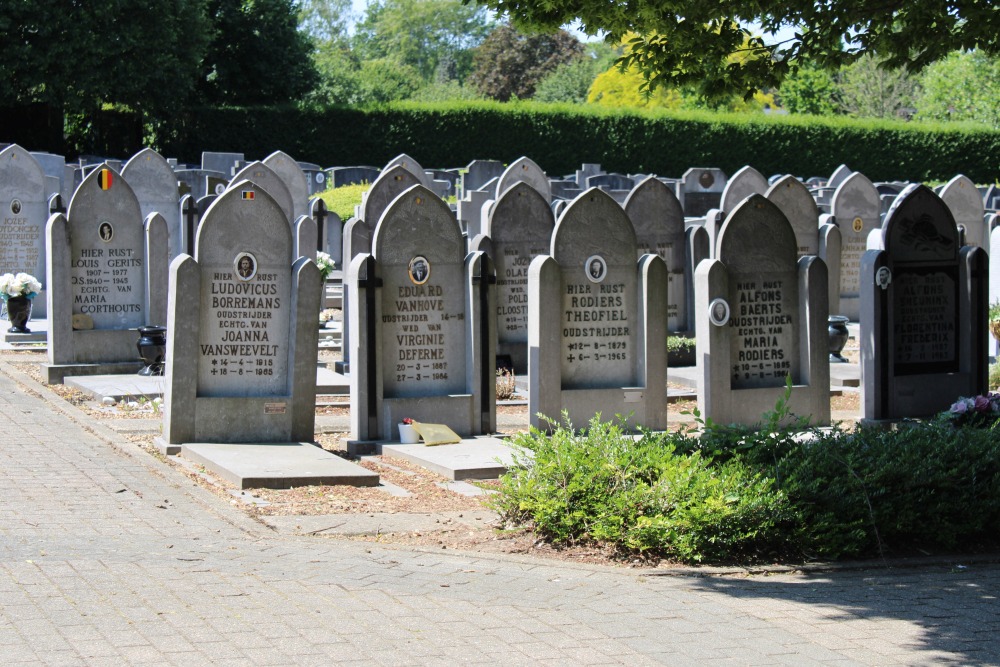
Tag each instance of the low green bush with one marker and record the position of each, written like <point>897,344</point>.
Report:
<point>342,200</point>
<point>739,494</point>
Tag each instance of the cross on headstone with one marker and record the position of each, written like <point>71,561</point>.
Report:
<point>319,215</point>
<point>189,210</point>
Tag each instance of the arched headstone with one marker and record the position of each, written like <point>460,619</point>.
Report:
<point>155,185</point>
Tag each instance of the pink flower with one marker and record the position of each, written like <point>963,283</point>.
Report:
<point>982,404</point>
<point>959,407</point>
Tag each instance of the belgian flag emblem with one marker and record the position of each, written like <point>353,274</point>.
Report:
<point>105,178</point>
<point>248,194</point>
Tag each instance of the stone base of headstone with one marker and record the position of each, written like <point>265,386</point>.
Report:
<point>362,447</point>
<point>118,387</point>
<point>282,465</point>
<point>57,373</point>
<point>30,337</point>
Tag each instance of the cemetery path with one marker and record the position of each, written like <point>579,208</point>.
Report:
<point>107,556</point>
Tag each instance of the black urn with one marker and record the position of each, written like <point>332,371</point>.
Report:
<point>152,346</point>
<point>838,335</point>
<point>18,312</point>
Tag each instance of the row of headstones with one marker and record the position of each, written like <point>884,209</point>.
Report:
<point>423,311</point>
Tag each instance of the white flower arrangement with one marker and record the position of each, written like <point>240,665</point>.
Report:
<point>326,265</point>
<point>22,284</point>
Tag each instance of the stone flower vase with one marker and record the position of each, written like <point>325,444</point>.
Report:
<point>152,346</point>
<point>838,335</point>
<point>18,312</point>
<point>408,435</point>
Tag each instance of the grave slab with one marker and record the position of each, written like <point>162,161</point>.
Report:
<point>474,458</point>
<point>280,465</point>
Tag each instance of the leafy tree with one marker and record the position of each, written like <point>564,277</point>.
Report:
<point>78,55</point>
<point>869,89</point>
<point>421,33</point>
<point>809,89</point>
<point>510,63</point>
<point>965,85</point>
<point>257,55</point>
<point>688,42</point>
<point>326,21</point>
<point>570,82</point>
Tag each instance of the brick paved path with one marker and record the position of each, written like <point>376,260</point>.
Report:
<point>109,557</point>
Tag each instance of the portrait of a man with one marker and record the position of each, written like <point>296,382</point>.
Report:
<point>420,270</point>
<point>246,266</point>
<point>106,231</point>
<point>596,268</point>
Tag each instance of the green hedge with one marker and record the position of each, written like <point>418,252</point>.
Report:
<point>560,138</point>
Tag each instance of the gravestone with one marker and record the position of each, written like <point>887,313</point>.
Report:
<point>702,190</point>
<point>966,205</point>
<point>294,179</point>
<point>609,182</point>
<point>242,341</point>
<point>422,325</point>
<point>518,229</point>
<point>658,221</point>
<point>106,277</point>
<point>262,175</point>
<point>605,351</point>
<point>923,312</point>
<point>155,185</point>
<point>390,184</point>
<point>199,182</point>
<point>524,169</point>
<point>478,173</point>
<point>25,210</point>
<point>855,209</point>
<point>408,163</point>
<point>227,163</point>
<point>315,177</point>
<point>839,175</point>
<point>761,318</point>
<point>330,231</point>
<point>991,198</point>
<point>353,175</point>
<point>745,182</point>
<point>190,215</point>
<point>54,167</point>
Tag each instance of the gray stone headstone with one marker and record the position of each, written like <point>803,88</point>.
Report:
<point>478,173</point>
<point>54,167</point>
<point>609,182</point>
<point>198,182</point>
<point>745,182</point>
<point>761,315</point>
<point>839,175</point>
<point>227,163</point>
<point>658,220</point>
<point>155,185</point>
<point>991,198</point>
<point>793,198</point>
<point>966,204</point>
<point>855,208</point>
<point>702,190</point>
<point>524,169</point>
<point>519,229</point>
<point>419,348</point>
<point>265,177</point>
<point>241,356</point>
<point>409,164</point>
<point>25,209</point>
<point>342,176</point>
<point>605,351</point>
<point>294,179</point>
<point>389,185</point>
<point>923,312</point>
<point>102,259</point>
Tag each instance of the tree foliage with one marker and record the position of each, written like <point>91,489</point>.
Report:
<point>421,33</point>
<point>868,89</point>
<point>809,89</point>
<point>257,54</point>
<point>79,55</point>
<point>570,82</point>
<point>963,86</point>
<point>510,63</point>
<point>688,42</point>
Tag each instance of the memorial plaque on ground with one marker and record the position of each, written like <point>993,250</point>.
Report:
<point>25,210</point>
<point>923,312</point>
<point>762,317</point>
<point>605,352</point>
<point>658,221</point>
<point>241,361</point>
<point>155,185</point>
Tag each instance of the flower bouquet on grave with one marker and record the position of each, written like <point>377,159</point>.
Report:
<point>326,265</point>
<point>17,292</point>
<point>407,434</point>
<point>978,411</point>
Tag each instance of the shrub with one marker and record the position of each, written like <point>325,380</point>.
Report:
<point>506,386</point>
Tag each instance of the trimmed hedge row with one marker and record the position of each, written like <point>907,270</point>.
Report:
<point>560,138</point>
